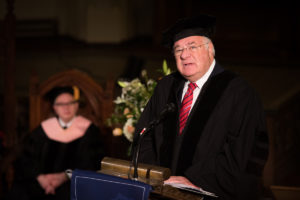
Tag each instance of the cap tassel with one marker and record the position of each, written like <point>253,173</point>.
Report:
<point>76,92</point>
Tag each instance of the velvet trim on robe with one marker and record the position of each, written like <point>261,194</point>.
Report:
<point>187,141</point>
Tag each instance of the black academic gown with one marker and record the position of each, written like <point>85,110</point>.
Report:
<point>224,145</point>
<point>41,155</point>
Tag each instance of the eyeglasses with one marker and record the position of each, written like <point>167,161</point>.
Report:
<point>65,104</point>
<point>192,48</point>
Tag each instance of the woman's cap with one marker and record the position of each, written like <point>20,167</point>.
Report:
<point>55,92</point>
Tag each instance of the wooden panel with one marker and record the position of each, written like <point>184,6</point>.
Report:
<point>283,164</point>
<point>285,193</point>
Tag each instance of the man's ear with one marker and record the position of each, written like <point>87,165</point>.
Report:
<point>211,50</point>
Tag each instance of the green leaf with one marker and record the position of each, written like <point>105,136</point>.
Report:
<point>165,67</point>
<point>166,70</point>
<point>122,83</point>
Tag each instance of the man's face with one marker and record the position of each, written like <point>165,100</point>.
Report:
<point>65,107</point>
<point>194,56</point>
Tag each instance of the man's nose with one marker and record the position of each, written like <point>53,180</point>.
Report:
<point>185,53</point>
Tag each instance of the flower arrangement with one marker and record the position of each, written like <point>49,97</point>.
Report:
<point>130,104</point>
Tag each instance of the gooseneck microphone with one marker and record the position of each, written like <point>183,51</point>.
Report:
<point>170,107</point>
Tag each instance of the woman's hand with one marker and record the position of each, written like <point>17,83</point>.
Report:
<point>57,179</point>
<point>45,182</point>
<point>49,182</point>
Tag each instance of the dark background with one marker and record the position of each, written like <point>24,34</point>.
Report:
<point>117,38</point>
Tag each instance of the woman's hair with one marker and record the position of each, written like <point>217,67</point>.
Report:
<point>55,92</point>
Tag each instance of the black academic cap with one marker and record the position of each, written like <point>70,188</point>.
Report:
<point>202,25</point>
<point>56,91</point>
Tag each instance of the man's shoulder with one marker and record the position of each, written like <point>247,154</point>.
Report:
<point>235,83</point>
<point>236,80</point>
<point>239,86</point>
<point>240,82</point>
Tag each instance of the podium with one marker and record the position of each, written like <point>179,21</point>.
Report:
<point>113,182</point>
<point>149,174</point>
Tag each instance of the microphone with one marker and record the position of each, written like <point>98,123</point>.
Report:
<point>170,107</point>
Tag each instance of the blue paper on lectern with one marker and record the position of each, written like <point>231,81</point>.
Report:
<point>88,185</point>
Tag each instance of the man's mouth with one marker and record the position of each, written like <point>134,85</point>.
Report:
<point>187,64</point>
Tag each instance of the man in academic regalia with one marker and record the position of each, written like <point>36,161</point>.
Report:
<point>66,141</point>
<point>216,138</point>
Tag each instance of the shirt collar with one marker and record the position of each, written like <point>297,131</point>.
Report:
<point>63,124</point>
<point>200,82</point>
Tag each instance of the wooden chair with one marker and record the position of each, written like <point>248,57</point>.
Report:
<point>96,102</point>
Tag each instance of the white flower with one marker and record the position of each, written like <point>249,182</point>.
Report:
<point>128,129</point>
<point>119,100</point>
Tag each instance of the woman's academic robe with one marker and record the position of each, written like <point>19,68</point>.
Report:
<point>41,154</point>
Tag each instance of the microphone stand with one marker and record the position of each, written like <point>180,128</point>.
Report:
<point>169,108</point>
<point>137,150</point>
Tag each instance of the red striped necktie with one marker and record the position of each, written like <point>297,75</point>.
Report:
<point>186,106</point>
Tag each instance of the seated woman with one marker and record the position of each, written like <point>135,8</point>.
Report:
<point>67,141</point>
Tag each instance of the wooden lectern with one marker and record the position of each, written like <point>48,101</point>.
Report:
<point>150,174</point>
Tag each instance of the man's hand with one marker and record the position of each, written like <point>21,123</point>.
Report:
<point>180,180</point>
